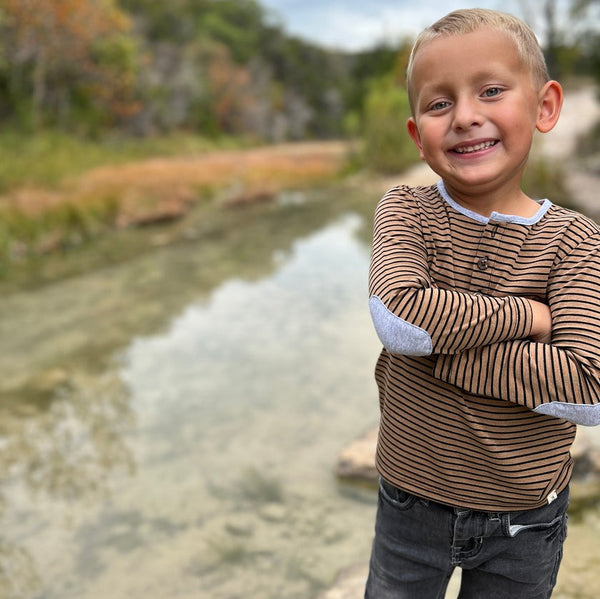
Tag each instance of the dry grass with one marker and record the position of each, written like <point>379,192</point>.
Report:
<point>37,220</point>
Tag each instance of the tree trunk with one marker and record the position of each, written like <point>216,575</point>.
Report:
<point>39,88</point>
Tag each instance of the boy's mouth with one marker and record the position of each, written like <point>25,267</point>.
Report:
<point>476,147</point>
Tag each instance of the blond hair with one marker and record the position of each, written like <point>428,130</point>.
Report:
<point>468,20</point>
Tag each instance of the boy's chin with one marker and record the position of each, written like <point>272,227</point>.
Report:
<point>478,184</point>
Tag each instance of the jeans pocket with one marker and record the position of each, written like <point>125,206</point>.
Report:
<point>550,519</point>
<point>398,498</point>
<point>557,525</point>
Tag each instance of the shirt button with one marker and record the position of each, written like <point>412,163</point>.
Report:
<point>483,263</point>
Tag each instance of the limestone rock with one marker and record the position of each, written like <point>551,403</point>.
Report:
<point>357,461</point>
<point>273,512</point>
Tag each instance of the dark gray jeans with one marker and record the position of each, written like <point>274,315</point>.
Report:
<point>503,555</point>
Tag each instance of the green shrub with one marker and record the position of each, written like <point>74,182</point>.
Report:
<point>387,146</point>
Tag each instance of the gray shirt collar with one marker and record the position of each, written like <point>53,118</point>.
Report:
<point>496,216</point>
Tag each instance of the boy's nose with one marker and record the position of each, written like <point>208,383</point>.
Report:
<point>466,114</point>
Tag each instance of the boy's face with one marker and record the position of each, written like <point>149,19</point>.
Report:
<point>475,111</point>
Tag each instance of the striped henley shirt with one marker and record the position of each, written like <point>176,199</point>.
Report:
<point>473,413</point>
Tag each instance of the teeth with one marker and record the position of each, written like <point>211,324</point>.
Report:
<point>476,148</point>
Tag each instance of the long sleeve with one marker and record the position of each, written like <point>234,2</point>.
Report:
<point>561,379</point>
<point>413,316</point>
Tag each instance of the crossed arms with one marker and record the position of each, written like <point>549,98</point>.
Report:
<point>544,357</point>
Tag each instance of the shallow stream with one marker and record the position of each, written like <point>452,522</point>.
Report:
<point>165,438</point>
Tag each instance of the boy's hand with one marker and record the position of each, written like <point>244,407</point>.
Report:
<point>541,329</point>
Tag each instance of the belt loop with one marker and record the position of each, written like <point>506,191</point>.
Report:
<point>505,519</point>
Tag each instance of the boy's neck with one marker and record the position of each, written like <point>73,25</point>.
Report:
<point>515,203</point>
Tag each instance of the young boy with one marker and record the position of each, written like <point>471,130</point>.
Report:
<point>486,302</point>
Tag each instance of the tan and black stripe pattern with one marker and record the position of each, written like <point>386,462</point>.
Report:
<point>473,414</point>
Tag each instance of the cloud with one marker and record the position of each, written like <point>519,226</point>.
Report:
<point>356,24</point>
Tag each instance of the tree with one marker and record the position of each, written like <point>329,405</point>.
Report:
<point>60,55</point>
<point>570,32</point>
<point>388,148</point>
<point>588,11</point>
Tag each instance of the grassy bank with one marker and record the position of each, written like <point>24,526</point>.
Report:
<point>58,192</point>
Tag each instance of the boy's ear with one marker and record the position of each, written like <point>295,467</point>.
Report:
<point>413,131</point>
<point>550,103</point>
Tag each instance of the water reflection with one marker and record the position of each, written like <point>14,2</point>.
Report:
<point>249,345</point>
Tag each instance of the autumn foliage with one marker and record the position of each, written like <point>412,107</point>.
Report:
<point>65,57</point>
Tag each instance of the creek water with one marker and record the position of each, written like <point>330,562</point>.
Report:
<point>165,438</point>
<point>169,425</point>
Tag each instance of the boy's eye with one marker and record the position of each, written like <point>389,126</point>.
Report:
<point>490,92</point>
<point>439,105</point>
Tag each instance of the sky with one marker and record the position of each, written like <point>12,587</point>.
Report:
<point>360,24</point>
